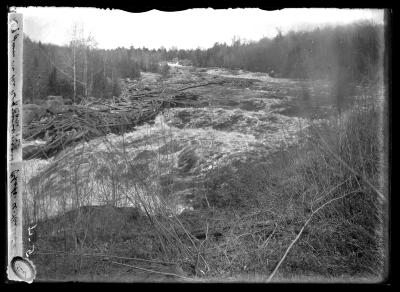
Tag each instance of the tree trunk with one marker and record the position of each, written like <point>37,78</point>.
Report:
<point>74,68</point>
<point>85,73</point>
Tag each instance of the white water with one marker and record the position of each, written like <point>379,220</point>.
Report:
<point>174,64</point>
<point>102,165</point>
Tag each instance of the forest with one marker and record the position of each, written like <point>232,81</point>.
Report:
<point>80,69</point>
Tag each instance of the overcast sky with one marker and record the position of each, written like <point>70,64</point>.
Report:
<point>183,29</point>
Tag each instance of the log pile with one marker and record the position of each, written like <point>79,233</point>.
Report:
<point>239,82</point>
<point>94,118</point>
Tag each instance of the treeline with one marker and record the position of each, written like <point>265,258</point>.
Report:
<point>352,52</point>
<point>80,69</point>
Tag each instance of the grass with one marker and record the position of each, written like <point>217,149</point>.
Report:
<point>342,239</point>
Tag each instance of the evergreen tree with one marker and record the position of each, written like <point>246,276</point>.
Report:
<point>52,87</point>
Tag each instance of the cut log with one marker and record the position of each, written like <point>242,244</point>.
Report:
<point>95,118</point>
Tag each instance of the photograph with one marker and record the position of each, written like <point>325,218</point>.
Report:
<point>201,145</point>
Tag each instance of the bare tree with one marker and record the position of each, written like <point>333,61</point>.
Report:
<point>81,45</point>
<point>73,42</point>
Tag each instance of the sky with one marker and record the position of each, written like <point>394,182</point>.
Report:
<point>186,29</point>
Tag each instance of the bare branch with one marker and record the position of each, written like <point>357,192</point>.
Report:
<point>302,229</point>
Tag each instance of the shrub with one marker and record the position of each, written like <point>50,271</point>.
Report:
<point>343,239</point>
